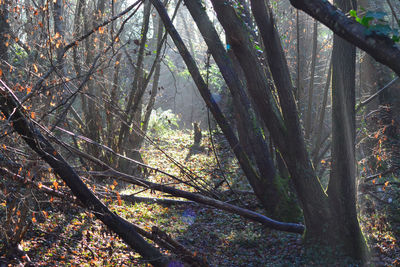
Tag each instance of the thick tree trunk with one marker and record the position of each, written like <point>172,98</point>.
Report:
<point>342,183</point>
<point>325,221</point>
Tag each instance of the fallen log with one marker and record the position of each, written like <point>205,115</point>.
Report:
<point>248,214</point>
<point>251,215</point>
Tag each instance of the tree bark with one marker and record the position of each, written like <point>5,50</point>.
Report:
<point>342,182</point>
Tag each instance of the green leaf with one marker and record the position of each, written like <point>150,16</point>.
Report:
<point>366,20</point>
<point>353,13</point>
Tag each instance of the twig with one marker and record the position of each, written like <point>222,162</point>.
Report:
<point>372,97</point>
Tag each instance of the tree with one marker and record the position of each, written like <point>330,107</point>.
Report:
<point>322,212</point>
<point>342,183</point>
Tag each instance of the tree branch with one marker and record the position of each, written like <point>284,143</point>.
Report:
<point>380,47</point>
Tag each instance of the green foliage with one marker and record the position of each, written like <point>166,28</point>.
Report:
<point>162,121</point>
<point>376,24</point>
<point>19,53</point>
<point>215,79</point>
<point>170,64</point>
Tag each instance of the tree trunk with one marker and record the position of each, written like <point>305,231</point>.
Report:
<point>342,182</point>
<point>240,154</point>
<point>308,120</point>
<point>264,186</point>
<point>323,219</point>
<point>4,30</point>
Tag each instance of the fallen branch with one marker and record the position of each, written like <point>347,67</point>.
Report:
<point>372,97</point>
<point>248,214</point>
<point>162,201</point>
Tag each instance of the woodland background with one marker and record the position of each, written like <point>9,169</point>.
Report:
<point>195,133</point>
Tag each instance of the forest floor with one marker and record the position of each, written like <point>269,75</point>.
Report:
<point>65,234</point>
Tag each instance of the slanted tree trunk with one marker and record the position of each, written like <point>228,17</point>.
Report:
<point>242,157</point>
<point>265,184</point>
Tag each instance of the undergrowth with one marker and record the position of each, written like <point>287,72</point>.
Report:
<point>65,235</point>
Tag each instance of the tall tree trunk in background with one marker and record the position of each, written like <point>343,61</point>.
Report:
<point>4,30</point>
<point>112,101</point>
<point>61,71</point>
<point>128,142</point>
<point>369,80</point>
<point>157,42</point>
<point>77,30</point>
<point>92,115</point>
<point>303,40</point>
<point>59,30</point>
<point>319,132</point>
<point>342,182</point>
<point>308,120</point>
